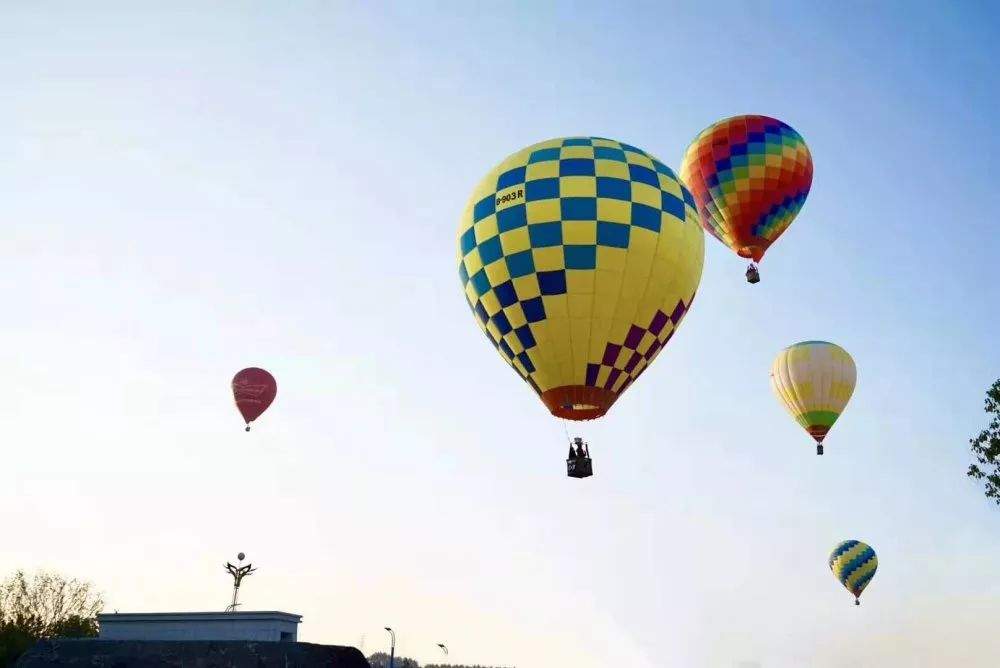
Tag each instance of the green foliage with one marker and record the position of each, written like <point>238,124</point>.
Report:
<point>986,447</point>
<point>45,605</point>
<point>14,641</point>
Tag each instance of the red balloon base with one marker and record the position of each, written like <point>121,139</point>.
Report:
<point>578,402</point>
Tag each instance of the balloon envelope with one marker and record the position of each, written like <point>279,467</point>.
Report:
<point>580,257</point>
<point>253,389</point>
<point>749,176</point>
<point>854,564</point>
<point>814,380</point>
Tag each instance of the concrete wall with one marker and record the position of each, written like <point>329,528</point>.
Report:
<point>251,626</point>
<point>198,654</point>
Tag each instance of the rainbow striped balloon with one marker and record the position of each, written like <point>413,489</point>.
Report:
<point>749,176</point>
<point>854,564</point>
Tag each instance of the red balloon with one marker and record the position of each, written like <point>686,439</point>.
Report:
<point>253,389</point>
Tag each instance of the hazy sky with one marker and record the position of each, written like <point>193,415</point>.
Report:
<point>187,189</point>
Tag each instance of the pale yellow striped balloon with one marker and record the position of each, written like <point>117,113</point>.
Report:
<point>814,380</point>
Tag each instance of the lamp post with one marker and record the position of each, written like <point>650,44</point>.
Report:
<point>392,648</point>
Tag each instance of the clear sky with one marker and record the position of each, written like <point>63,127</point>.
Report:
<point>194,188</point>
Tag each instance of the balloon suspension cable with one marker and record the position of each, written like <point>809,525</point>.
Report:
<point>566,431</point>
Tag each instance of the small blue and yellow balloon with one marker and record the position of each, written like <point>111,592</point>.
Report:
<point>579,257</point>
<point>854,564</point>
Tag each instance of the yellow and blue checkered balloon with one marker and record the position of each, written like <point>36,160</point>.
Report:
<point>854,564</point>
<point>580,257</point>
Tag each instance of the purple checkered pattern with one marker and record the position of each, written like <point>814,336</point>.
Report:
<point>637,362</point>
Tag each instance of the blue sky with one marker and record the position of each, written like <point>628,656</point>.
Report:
<point>189,190</point>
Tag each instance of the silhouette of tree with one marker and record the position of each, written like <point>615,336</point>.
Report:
<point>986,447</point>
<point>45,605</point>
<point>381,660</point>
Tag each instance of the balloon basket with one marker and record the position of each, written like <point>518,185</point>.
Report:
<point>579,467</point>
<point>819,448</point>
<point>753,275</point>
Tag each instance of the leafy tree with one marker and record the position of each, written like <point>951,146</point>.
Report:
<point>45,605</point>
<point>381,660</point>
<point>986,447</point>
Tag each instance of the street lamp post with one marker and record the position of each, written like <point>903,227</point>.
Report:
<point>392,648</point>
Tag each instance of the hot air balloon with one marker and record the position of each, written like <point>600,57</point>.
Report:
<point>253,389</point>
<point>579,258</point>
<point>854,564</point>
<point>814,380</point>
<point>749,176</point>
